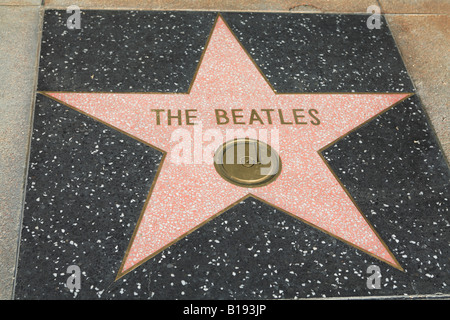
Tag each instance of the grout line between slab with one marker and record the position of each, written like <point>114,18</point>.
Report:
<point>318,11</point>
<point>314,10</point>
<point>390,297</point>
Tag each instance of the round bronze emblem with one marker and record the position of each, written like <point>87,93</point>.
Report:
<point>247,162</point>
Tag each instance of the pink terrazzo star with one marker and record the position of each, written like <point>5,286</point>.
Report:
<point>185,196</point>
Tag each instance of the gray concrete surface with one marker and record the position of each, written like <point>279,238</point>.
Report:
<point>19,38</point>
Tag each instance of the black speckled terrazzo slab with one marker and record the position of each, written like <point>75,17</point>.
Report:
<point>88,183</point>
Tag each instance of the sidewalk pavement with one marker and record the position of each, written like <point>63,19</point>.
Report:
<point>420,29</point>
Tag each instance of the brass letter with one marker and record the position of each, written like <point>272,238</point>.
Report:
<point>317,122</point>
<point>223,114</point>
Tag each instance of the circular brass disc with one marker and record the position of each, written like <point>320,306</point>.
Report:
<point>247,162</point>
